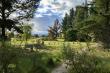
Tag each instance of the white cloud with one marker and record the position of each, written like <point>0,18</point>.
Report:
<point>45,2</point>
<point>49,10</point>
<point>42,10</point>
<point>57,6</point>
<point>38,15</point>
<point>48,14</point>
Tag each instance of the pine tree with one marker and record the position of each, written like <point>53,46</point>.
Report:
<point>67,26</point>
<point>80,16</point>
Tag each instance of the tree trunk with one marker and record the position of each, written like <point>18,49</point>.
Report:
<point>3,34</point>
<point>3,20</point>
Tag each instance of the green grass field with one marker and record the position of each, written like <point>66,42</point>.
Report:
<point>52,53</point>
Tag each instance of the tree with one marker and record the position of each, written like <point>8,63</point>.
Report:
<point>68,26</point>
<point>98,21</point>
<point>53,31</point>
<point>24,10</point>
<point>67,22</point>
<point>36,35</point>
<point>26,31</point>
<point>56,28</point>
<point>51,34</point>
<point>71,19</point>
<point>102,22</point>
<point>79,17</point>
<point>64,25</point>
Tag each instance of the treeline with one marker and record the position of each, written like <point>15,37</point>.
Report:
<point>90,21</point>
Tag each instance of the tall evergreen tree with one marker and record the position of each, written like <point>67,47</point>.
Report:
<point>71,18</point>
<point>67,26</point>
<point>80,16</point>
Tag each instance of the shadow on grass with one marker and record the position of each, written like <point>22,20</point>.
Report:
<point>16,60</point>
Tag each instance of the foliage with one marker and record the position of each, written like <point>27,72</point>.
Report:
<point>91,21</point>
<point>71,35</point>
<point>64,23</point>
<point>25,9</point>
<point>84,61</point>
<point>54,31</point>
<point>8,59</point>
<point>67,24</point>
<point>98,21</point>
<point>26,31</point>
<point>17,60</point>
<point>80,16</point>
<point>72,24</point>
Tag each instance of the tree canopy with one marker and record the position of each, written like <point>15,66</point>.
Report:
<point>23,9</point>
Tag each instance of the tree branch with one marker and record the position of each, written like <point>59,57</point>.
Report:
<point>9,13</point>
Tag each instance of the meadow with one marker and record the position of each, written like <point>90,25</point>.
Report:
<point>89,56</point>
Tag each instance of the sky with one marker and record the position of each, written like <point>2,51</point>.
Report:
<point>48,11</point>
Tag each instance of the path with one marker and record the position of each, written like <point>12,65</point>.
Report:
<point>60,69</point>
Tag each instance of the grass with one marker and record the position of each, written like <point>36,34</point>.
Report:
<point>56,44</point>
<point>53,54</point>
<point>40,61</point>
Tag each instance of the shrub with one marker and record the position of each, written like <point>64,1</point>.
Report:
<point>83,61</point>
<point>8,59</point>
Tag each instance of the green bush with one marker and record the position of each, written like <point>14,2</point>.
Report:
<point>83,61</point>
<point>8,59</point>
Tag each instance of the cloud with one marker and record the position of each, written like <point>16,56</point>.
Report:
<point>57,6</point>
<point>38,16</point>
<point>49,10</point>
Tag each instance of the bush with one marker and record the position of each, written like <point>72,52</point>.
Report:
<point>83,61</point>
<point>8,59</point>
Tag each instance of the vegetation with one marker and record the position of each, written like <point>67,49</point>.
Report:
<point>81,41</point>
<point>24,8</point>
<point>53,32</point>
<point>89,20</point>
<point>86,60</point>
